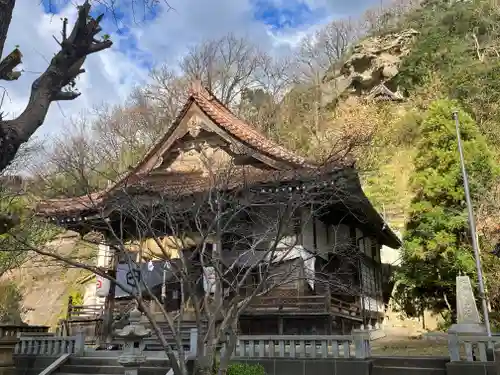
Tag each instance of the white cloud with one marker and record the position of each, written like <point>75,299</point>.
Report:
<point>111,74</point>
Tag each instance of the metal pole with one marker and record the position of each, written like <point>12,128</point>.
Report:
<point>472,226</point>
<point>485,282</point>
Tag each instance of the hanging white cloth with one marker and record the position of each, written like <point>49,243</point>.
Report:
<point>151,266</point>
<point>209,279</point>
<point>288,249</point>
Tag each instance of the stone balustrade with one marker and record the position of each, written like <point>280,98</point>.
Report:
<point>51,346</point>
<point>11,332</point>
<point>356,345</point>
<point>9,336</point>
<point>471,347</point>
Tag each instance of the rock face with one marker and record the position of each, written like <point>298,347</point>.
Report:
<point>370,68</point>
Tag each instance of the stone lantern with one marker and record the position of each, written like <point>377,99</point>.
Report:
<point>132,337</point>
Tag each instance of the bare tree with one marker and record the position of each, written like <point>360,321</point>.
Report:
<point>70,162</point>
<point>249,81</point>
<point>236,241</point>
<point>226,66</point>
<point>261,105</point>
<point>167,92</point>
<point>97,147</point>
<point>130,129</point>
<point>55,84</point>
<point>325,48</point>
<point>139,10</point>
<point>386,15</point>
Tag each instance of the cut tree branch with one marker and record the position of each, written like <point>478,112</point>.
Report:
<point>7,65</point>
<point>56,83</point>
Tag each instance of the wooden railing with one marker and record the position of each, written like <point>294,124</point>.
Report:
<point>49,346</point>
<point>88,319</point>
<point>92,312</point>
<point>84,311</point>
<point>345,346</point>
<point>307,303</point>
<point>11,332</point>
<point>344,307</point>
<point>311,304</point>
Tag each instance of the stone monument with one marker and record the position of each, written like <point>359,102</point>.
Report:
<point>132,337</point>
<point>468,319</point>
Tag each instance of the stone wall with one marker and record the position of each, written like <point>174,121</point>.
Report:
<point>31,365</point>
<point>8,340</point>
<point>312,366</point>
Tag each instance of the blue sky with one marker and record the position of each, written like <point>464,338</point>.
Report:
<point>145,38</point>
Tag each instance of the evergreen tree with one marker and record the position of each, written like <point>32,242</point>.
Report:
<point>437,244</point>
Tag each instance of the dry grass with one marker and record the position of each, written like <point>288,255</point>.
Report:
<point>389,346</point>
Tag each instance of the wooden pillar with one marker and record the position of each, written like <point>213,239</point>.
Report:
<point>328,306</point>
<point>69,307</point>
<point>280,325</point>
<point>329,325</point>
<point>109,303</point>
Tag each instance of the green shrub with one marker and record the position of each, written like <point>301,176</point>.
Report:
<point>77,296</point>
<point>245,369</point>
<point>10,303</point>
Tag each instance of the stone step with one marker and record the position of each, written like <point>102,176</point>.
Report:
<point>394,370</point>
<point>112,361</point>
<point>110,366</point>
<point>110,370</point>
<point>412,362</point>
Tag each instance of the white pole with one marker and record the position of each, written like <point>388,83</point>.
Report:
<point>472,227</point>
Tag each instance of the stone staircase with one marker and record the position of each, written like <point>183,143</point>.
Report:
<point>409,365</point>
<point>107,365</point>
<point>153,343</point>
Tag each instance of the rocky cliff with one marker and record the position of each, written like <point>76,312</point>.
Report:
<point>46,284</point>
<point>369,69</point>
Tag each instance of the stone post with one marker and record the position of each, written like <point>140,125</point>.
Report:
<point>468,319</point>
<point>361,339</point>
<point>132,337</point>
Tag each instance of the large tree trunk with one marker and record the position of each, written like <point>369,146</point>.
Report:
<point>205,358</point>
<point>56,83</point>
<point>6,8</point>
<point>227,353</point>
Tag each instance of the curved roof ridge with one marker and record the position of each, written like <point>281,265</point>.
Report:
<point>243,130</point>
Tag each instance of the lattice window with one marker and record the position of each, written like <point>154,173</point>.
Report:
<point>369,284</point>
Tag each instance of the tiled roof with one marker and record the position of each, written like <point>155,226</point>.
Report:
<point>248,134</point>
<point>177,184</point>
<point>68,205</point>
<point>221,116</point>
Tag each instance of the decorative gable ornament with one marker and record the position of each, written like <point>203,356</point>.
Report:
<point>158,163</point>
<point>194,126</point>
